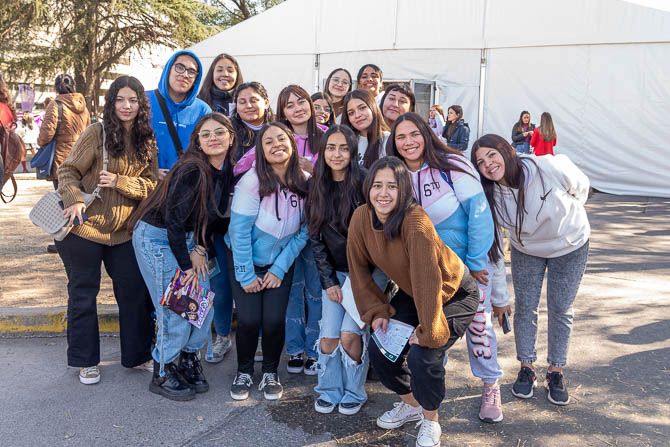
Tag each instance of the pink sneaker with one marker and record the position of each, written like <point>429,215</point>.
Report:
<point>491,408</point>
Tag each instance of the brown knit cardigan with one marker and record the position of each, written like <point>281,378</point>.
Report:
<point>417,260</point>
<point>107,216</point>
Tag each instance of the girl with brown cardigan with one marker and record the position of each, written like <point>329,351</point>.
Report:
<point>437,295</point>
<point>100,236</point>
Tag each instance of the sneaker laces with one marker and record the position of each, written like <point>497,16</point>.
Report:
<point>269,379</point>
<point>525,375</point>
<point>219,345</point>
<point>243,379</point>
<point>556,379</point>
<point>398,408</point>
<point>491,395</point>
<point>89,370</point>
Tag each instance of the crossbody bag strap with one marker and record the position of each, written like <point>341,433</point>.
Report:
<point>170,125</point>
<point>105,158</point>
<point>60,116</point>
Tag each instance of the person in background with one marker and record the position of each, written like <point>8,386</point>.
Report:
<point>436,119</point>
<point>252,111</point>
<point>178,87</point>
<point>172,231</point>
<point>75,119</point>
<point>456,132</point>
<point>522,132</point>
<point>363,115</point>
<point>540,200</point>
<point>544,137</point>
<point>29,132</point>
<point>7,111</point>
<point>447,186</point>
<point>396,100</point>
<point>437,295</point>
<point>266,234</point>
<point>337,85</point>
<point>370,77</point>
<point>324,109</point>
<point>99,235</point>
<point>219,85</point>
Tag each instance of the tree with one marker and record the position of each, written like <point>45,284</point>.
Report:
<point>90,36</point>
<point>232,12</point>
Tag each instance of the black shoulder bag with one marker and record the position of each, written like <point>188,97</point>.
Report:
<point>168,120</point>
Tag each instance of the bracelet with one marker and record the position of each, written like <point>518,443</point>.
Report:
<point>199,249</point>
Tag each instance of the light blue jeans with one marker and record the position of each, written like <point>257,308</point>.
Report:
<point>522,148</point>
<point>158,265</point>
<point>341,379</point>
<point>304,306</point>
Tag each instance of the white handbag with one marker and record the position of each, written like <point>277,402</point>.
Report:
<point>48,211</point>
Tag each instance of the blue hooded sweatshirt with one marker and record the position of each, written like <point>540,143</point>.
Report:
<point>184,114</point>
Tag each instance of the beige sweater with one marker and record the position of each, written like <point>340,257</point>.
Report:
<point>417,260</point>
<point>107,216</point>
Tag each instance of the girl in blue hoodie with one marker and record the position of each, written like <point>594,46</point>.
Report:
<point>447,186</point>
<point>266,234</point>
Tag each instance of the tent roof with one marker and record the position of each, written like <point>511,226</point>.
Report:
<point>334,26</point>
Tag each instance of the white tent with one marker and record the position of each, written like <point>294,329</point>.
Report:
<point>600,67</point>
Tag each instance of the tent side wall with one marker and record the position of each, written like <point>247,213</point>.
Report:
<point>609,103</point>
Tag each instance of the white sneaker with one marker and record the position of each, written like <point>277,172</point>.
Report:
<point>399,415</point>
<point>90,375</point>
<point>429,434</point>
<point>220,348</point>
<point>147,366</point>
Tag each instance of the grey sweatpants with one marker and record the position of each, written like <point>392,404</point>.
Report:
<point>564,274</point>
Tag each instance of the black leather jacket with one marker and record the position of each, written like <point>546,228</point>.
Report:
<point>330,247</point>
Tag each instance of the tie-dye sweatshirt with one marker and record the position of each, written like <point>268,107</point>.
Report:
<point>460,212</point>
<point>264,231</point>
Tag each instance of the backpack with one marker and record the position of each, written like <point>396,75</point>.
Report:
<point>12,151</point>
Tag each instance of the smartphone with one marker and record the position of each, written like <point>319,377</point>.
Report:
<point>506,326</point>
<point>84,217</point>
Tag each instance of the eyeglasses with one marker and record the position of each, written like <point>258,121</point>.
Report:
<point>326,109</point>
<point>182,70</point>
<point>218,134</point>
<point>342,82</point>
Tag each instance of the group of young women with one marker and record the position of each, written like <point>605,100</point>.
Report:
<point>344,194</point>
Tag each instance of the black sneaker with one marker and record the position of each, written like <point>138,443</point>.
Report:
<point>525,382</point>
<point>241,386</point>
<point>310,366</point>
<point>191,369</point>
<point>295,364</point>
<point>323,406</point>
<point>172,386</point>
<point>349,408</point>
<point>272,389</point>
<point>557,392</point>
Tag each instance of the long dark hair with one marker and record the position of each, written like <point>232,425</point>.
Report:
<point>375,133</point>
<point>327,83</point>
<point>268,181</point>
<point>5,97</point>
<point>514,176</point>
<point>547,129</point>
<point>319,210</point>
<point>517,127</point>
<point>194,160</point>
<point>207,83</point>
<point>320,95</point>
<point>451,127</point>
<point>245,136</point>
<point>141,133</point>
<point>435,153</point>
<point>314,134</point>
<point>405,201</point>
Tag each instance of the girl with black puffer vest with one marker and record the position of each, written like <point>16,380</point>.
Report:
<point>456,132</point>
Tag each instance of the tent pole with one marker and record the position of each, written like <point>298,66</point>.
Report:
<point>482,91</point>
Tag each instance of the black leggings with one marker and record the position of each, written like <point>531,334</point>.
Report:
<point>423,374</point>
<point>266,309</point>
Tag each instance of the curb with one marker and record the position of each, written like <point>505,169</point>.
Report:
<point>24,321</point>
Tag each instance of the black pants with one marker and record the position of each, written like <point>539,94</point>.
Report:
<point>82,259</point>
<point>266,309</point>
<point>423,372</point>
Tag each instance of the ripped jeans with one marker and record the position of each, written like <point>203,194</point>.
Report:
<point>341,379</point>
